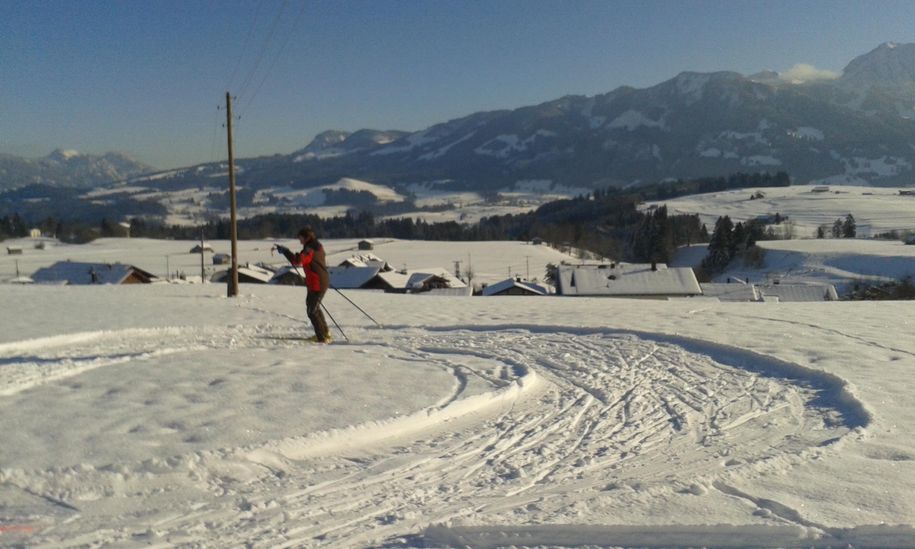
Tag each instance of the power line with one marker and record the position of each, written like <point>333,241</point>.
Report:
<point>279,53</point>
<point>244,46</point>
<point>263,50</point>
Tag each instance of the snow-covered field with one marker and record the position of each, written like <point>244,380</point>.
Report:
<point>834,261</point>
<point>166,415</point>
<point>876,210</point>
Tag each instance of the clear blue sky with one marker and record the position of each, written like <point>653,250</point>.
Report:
<point>145,77</point>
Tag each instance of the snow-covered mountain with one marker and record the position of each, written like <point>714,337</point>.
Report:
<point>333,143</point>
<point>820,127</point>
<point>853,128</point>
<point>68,168</point>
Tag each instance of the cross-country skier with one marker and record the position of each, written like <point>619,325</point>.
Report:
<point>317,279</point>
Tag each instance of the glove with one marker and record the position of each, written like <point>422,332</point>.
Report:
<point>285,251</point>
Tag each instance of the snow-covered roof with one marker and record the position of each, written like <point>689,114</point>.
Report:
<point>624,280</point>
<point>257,273</point>
<point>453,292</point>
<point>74,272</point>
<point>735,291</point>
<point>365,260</point>
<point>351,277</point>
<point>799,292</point>
<point>399,280</point>
<point>206,248</point>
<point>504,285</point>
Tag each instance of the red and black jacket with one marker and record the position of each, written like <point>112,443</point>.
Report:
<point>312,260</point>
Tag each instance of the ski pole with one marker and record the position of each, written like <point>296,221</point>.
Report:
<point>357,306</point>
<point>334,321</point>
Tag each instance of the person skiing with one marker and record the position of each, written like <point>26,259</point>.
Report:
<point>317,279</point>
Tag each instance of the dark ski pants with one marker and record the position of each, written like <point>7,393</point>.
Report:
<point>315,315</point>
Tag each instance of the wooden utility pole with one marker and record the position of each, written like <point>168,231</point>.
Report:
<point>233,274</point>
<point>203,275</point>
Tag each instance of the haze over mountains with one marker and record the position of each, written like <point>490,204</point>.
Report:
<point>853,128</point>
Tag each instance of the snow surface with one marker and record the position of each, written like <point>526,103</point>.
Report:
<point>167,415</point>
<point>632,119</point>
<point>875,209</point>
<point>164,415</point>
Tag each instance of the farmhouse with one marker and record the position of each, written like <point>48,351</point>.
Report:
<point>247,274</point>
<point>205,247</point>
<point>627,280</point>
<point>797,292</point>
<point>78,273</point>
<point>421,280</point>
<point>736,291</point>
<point>366,245</point>
<point>366,260</point>
<point>514,286</point>
<point>352,277</point>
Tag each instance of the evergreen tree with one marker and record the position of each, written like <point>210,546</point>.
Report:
<point>837,229</point>
<point>849,228</point>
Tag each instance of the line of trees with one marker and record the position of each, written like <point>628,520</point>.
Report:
<point>730,240</point>
<point>846,228</point>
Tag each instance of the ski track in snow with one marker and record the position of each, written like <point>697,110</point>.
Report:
<point>574,423</point>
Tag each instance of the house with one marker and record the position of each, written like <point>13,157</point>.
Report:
<point>35,233</point>
<point>288,276</point>
<point>820,189</point>
<point>536,241</point>
<point>221,259</point>
<point>366,245</point>
<point>514,286</point>
<point>14,250</point>
<point>351,278</point>
<point>366,260</point>
<point>782,293</point>
<point>627,280</point>
<point>79,273</point>
<point>421,280</point>
<point>907,192</point>
<point>247,274</point>
<point>910,240</point>
<point>737,291</point>
<point>205,247</point>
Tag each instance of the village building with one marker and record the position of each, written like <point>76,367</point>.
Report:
<point>247,274</point>
<point>366,245</point>
<point>35,233</point>
<point>198,248</point>
<point>642,281</point>
<point>80,273</point>
<point>797,292</point>
<point>421,280</point>
<point>366,260</point>
<point>735,291</point>
<point>352,278</point>
<point>514,286</point>
<point>14,250</point>
<point>221,259</point>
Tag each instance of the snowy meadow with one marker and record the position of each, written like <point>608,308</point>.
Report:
<point>167,414</point>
